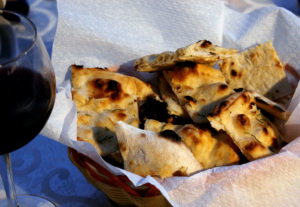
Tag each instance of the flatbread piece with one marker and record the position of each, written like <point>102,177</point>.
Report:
<point>209,147</point>
<point>169,97</point>
<point>149,153</point>
<point>203,52</point>
<point>198,88</point>
<point>250,130</point>
<point>103,98</point>
<point>258,69</point>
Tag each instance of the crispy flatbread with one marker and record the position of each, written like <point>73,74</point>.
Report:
<point>250,130</point>
<point>203,52</point>
<point>173,106</point>
<point>210,148</point>
<point>150,153</point>
<point>198,88</point>
<point>204,100</point>
<point>258,69</point>
<point>103,98</point>
<point>271,107</point>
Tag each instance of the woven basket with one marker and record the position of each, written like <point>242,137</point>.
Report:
<point>118,188</point>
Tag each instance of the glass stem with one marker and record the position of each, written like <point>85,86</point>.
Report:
<point>8,181</point>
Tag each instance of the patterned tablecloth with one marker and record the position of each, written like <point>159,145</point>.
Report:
<point>42,167</point>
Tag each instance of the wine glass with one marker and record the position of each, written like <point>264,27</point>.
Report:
<point>27,94</point>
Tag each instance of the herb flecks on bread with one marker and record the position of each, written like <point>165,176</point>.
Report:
<point>250,130</point>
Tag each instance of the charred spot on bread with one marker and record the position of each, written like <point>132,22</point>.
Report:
<point>238,89</point>
<point>196,140</point>
<point>113,85</point>
<point>252,146</point>
<point>206,44</point>
<point>178,120</point>
<point>233,73</point>
<point>244,120</point>
<point>78,66</point>
<point>251,105</point>
<point>189,98</point>
<point>106,88</point>
<point>284,143</point>
<point>265,130</point>
<point>269,116</point>
<point>105,68</point>
<point>170,134</point>
<point>275,143</point>
<point>260,100</point>
<point>245,98</point>
<point>153,109</point>
<point>223,87</point>
<point>123,147</point>
<point>121,115</point>
<point>210,115</point>
<point>183,64</point>
<point>179,173</point>
<point>218,109</point>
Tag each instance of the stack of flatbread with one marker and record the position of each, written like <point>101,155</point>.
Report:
<point>193,117</point>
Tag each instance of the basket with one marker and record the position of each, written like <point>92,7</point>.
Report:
<point>118,188</point>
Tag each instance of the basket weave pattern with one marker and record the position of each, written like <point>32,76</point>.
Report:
<point>118,188</point>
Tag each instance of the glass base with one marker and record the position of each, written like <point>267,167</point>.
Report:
<point>30,201</point>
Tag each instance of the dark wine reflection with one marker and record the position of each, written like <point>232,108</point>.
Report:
<point>26,106</point>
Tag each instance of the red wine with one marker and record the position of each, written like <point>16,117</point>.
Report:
<point>26,101</point>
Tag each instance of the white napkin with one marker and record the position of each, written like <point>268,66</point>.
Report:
<point>97,33</point>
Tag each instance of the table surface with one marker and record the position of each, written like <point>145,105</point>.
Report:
<point>42,167</point>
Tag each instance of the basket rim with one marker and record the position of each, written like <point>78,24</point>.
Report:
<point>108,178</point>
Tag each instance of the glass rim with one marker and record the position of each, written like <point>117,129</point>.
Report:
<point>33,40</point>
